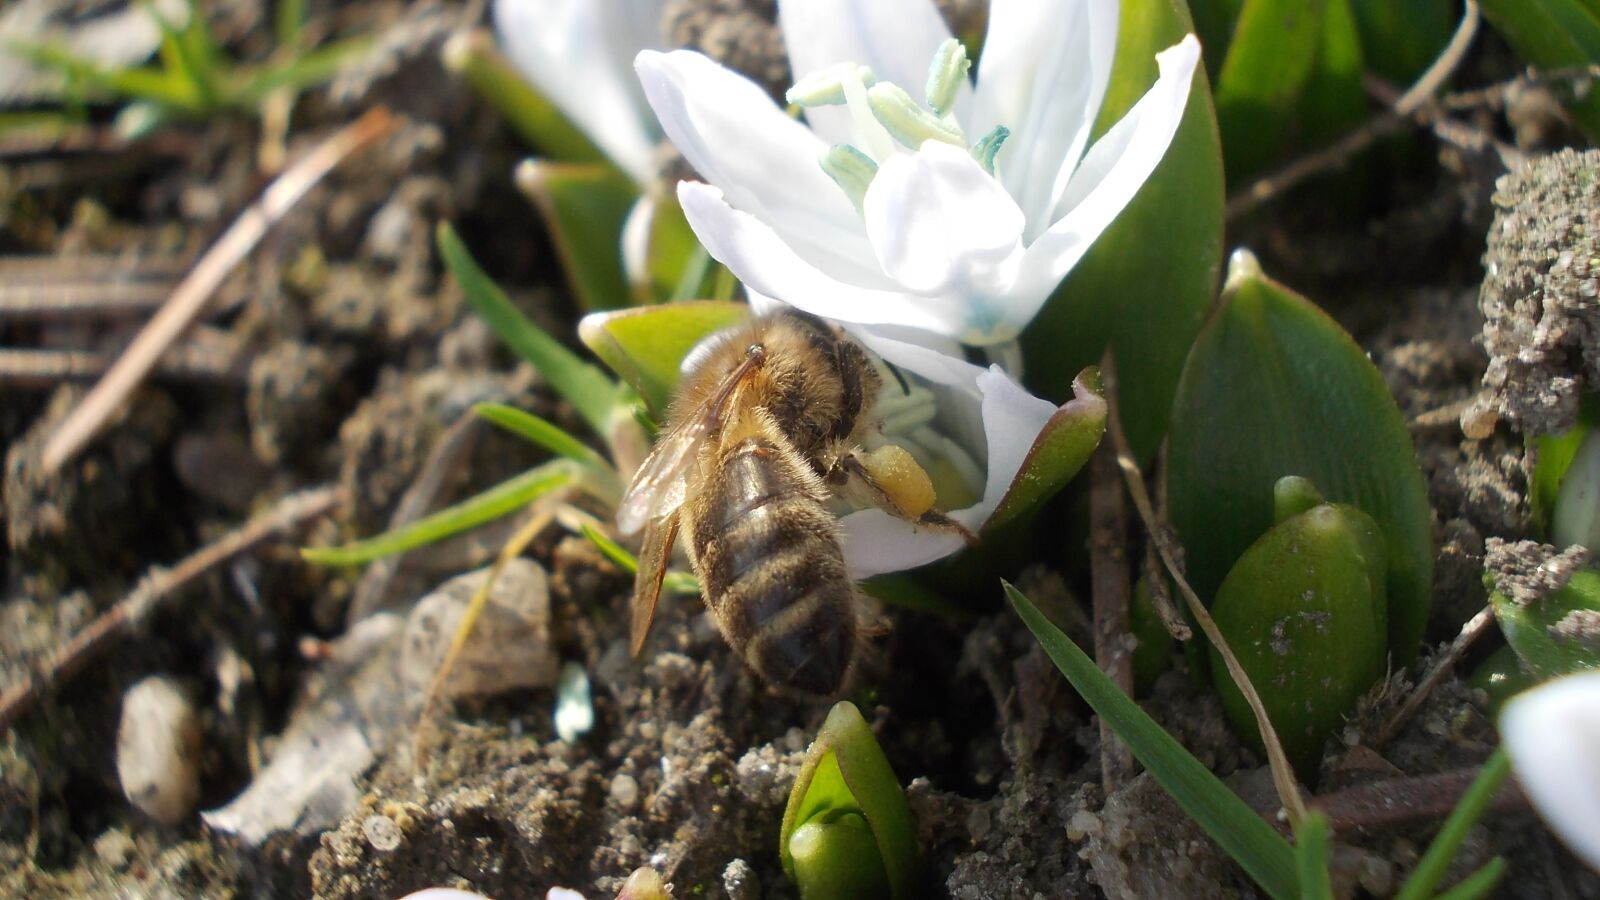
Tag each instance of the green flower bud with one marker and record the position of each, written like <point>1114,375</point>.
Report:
<point>847,831</point>
<point>1305,611</point>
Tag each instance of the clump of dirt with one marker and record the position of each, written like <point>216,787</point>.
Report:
<point>1541,293</point>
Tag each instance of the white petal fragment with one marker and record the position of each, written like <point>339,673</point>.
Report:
<point>577,53</point>
<point>1553,735</point>
<point>1111,174</point>
<point>895,38</point>
<point>940,224</point>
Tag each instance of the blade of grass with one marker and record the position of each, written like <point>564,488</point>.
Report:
<point>1479,884</point>
<point>1311,857</point>
<point>503,499</point>
<point>141,82</point>
<point>586,387</point>
<point>1431,868</point>
<point>300,72</point>
<point>543,433</point>
<point>676,582</point>
<point>1245,836</point>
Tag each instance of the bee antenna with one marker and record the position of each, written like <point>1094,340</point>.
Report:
<point>905,386</point>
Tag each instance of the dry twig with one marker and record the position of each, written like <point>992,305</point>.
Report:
<point>191,296</point>
<point>1282,773</point>
<point>157,586</point>
<point>1108,577</point>
<point>1470,632</point>
<point>1421,92</point>
<point>1396,801</point>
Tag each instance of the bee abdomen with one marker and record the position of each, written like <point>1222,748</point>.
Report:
<point>773,573</point>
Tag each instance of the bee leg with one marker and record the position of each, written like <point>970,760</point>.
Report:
<point>895,483</point>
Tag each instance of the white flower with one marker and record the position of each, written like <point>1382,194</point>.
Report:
<point>958,219</point>
<point>1553,735</point>
<point>579,54</point>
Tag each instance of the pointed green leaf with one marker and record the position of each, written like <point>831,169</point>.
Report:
<point>1058,453</point>
<point>1334,101</point>
<point>646,345</point>
<point>594,396</point>
<point>501,500</point>
<point>1553,34</point>
<point>1242,834</point>
<point>1270,62</point>
<point>1145,285</point>
<point>1272,388</point>
<point>584,206</point>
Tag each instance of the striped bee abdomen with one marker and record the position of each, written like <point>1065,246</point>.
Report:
<point>768,557</point>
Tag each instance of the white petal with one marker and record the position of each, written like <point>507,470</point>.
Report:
<point>760,258</point>
<point>940,224</point>
<point>578,54</point>
<point>1110,175</point>
<point>1553,735</point>
<point>895,38</point>
<point>765,162</point>
<point>1043,74</point>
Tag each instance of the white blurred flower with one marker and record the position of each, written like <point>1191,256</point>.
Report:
<point>958,218</point>
<point>1552,733</point>
<point>579,54</point>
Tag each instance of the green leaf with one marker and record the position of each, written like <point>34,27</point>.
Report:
<point>846,773</point>
<point>1058,452</point>
<point>674,254</point>
<point>302,71</point>
<point>1479,884</point>
<point>1334,100</point>
<point>1501,677</point>
<point>1243,835</point>
<point>594,396</point>
<point>538,121</point>
<point>1144,287</point>
<point>501,500</point>
<point>1533,631</point>
<point>646,346</point>
<point>1436,861</point>
<point>1270,62</point>
<point>1402,37</point>
<point>548,436</point>
<point>1311,857</point>
<point>1553,34</point>
<point>584,206</point>
<point>1274,387</point>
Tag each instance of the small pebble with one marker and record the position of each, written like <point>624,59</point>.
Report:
<point>740,881</point>
<point>574,709</point>
<point>624,790</point>
<point>158,750</point>
<point>382,832</point>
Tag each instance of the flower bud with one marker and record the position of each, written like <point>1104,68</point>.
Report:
<point>1306,612</point>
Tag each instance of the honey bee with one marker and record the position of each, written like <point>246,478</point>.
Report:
<point>765,429</point>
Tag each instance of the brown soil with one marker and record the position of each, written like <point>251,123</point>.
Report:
<point>357,354</point>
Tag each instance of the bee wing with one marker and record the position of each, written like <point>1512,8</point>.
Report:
<point>660,485</point>
<point>653,558</point>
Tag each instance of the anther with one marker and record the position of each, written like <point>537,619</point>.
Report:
<point>946,74</point>
<point>851,169</point>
